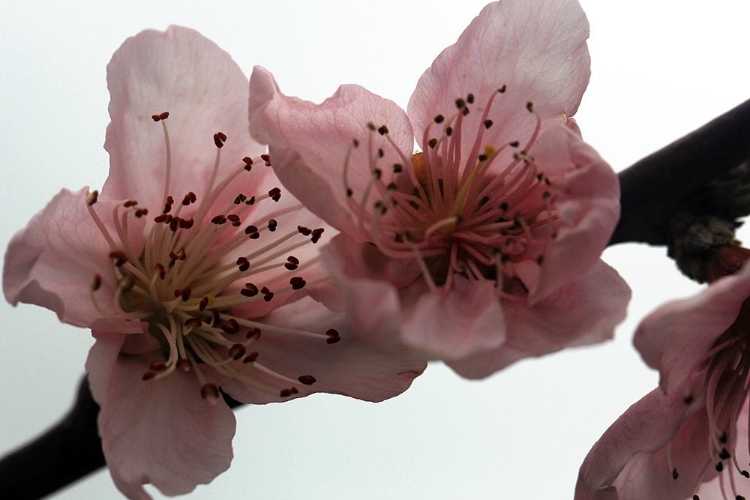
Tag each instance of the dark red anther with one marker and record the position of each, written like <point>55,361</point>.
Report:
<point>219,220</point>
<point>297,283</point>
<point>371,126</point>
<point>97,284</point>
<point>397,168</point>
<point>253,333</point>
<point>129,203</point>
<point>306,231</point>
<point>316,234</point>
<point>227,328</point>
<point>158,366</point>
<point>148,375</point>
<point>92,198</point>
<point>216,317</point>
<point>502,89</point>
<point>234,219</point>
<point>141,212</point>
<point>266,158</point>
<point>250,201</point>
<point>285,393</point>
<point>530,107</point>
<point>307,379</point>
<point>272,225</point>
<point>460,103</point>
<point>382,130</point>
<point>470,98</point>
<point>267,296</point>
<point>250,358</point>
<point>119,257</point>
<point>161,218</point>
<point>432,143</point>
<point>193,322</point>
<point>439,119</point>
<point>186,200</point>
<point>186,223</point>
<point>355,143</point>
<point>275,194</point>
<point>243,264</point>
<point>210,393</point>
<point>184,365</point>
<point>241,198</point>
<point>292,263</point>
<point>173,255</point>
<point>203,304</point>
<point>161,270</point>
<point>250,290</point>
<point>333,336</point>
<point>237,352</point>
<point>155,118</point>
<point>248,163</point>
<point>219,139</point>
<point>174,224</point>
<point>186,294</point>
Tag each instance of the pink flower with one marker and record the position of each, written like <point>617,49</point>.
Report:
<point>687,438</point>
<point>483,248</point>
<point>187,256</point>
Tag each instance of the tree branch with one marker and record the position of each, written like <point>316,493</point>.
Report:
<point>654,188</point>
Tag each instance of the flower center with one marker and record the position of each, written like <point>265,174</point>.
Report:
<point>485,213</point>
<point>200,268</point>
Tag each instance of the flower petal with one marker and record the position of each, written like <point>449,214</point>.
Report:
<point>536,48</point>
<point>456,323</point>
<point>157,431</point>
<point>205,92</point>
<point>587,201</point>
<point>676,337</point>
<point>584,311</point>
<point>629,462</point>
<point>53,263</point>
<point>350,367</point>
<point>310,144</point>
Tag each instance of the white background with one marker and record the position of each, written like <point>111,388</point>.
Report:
<point>660,69</point>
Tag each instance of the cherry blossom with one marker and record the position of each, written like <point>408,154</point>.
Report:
<point>688,438</point>
<point>483,247</point>
<point>191,268</point>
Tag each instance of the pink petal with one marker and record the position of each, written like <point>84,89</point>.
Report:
<point>53,263</point>
<point>458,322</point>
<point>309,144</point>
<point>350,367</point>
<point>584,311</point>
<point>629,462</point>
<point>676,337</point>
<point>536,48</point>
<point>587,200</point>
<point>158,431</point>
<point>204,91</point>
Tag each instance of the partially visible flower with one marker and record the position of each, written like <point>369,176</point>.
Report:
<point>688,438</point>
<point>484,247</point>
<point>191,268</point>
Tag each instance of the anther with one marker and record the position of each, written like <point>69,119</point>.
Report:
<point>237,352</point>
<point>129,203</point>
<point>272,225</point>
<point>148,375</point>
<point>530,107</point>
<point>186,223</point>
<point>355,143</point>
<point>502,89</point>
<point>460,103</point>
<point>193,322</point>
<point>487,123</point>
<point>382,130</point>
<point>439,119</point>
<point>203,304</point>
<point>397,168</point>
<point>470,98</point>
<point>723,438</point>
<point>381,153</point>
<point>92,198</point>
<point>243,264</point>
<point>252,232</point>
<point>266,158</point>
<point>432,143</point>
<point>158,366</point>
<point>234,219</point>
<point>719,466</point>
<point>448,131</point>
<point>514,144</point>
<point>185,294</point>
<point>253,333</point>
<point>160,270</point>
<point>250,358</point>
<point>210,393</point>
<point>119,257</point>
<point>745,473</point>
<point>307,379</point>
<point>248,163</point>
<point>174,224</point>
<point>349,192</point>
<point>316,234</point>
<point>168,205</point>
<point>275,194</point>
<point>297,283</point>
<point>304,230</point>
<point>333,336</point>
<point>241,198</point>
<point>97,283</point>
<point>267,294</point>
<point>250,290</point>
<point>219,220</point>
<point>292,263</point>
<point>285,393</point>
<point>371,126</point>
<point>141,212</point>
<point>675,474</point>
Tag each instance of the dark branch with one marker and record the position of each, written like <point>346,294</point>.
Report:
<point>656,187</point>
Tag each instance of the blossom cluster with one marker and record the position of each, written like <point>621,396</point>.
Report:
<point>256,246</point>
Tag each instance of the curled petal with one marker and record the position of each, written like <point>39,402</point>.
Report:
<point>310,144</point>
<point>56,259</point>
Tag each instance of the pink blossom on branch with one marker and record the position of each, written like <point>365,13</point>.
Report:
<point>484,247</point>
<point>688,438</point>
<point>191,268</point>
